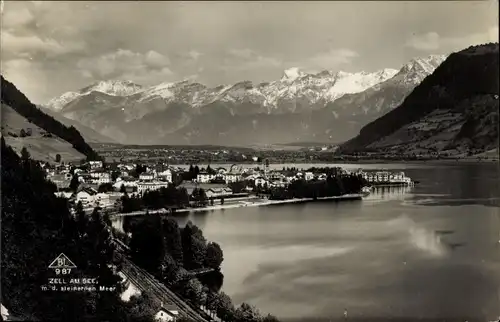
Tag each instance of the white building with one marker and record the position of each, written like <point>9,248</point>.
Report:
<point>66,195</point>
<point>143,186</point>
<point>278,183</point>
<point>308,176</point>
<point>100,177</point>
<point>386,177</point>
<point>205,177</point>
<point>102,200</point>
<point>95,164</point>
<point>166,314</point>
<point>147,176</point>
<point>86,196</point>
<point>165,175</point>
<point>322,176</point>
<point>232,177</point>
<point>260,181</point>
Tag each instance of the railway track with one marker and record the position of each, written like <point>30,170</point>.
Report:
<point>148,283</point>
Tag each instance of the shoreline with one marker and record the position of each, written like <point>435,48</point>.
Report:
<point>242,204</point>
<point>360,161</point>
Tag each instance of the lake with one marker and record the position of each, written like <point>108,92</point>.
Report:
<point>430,251</point>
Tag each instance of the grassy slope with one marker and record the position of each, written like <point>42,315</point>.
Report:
<point>40,148</point>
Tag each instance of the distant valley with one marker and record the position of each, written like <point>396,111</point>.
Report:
<point>324,107</point>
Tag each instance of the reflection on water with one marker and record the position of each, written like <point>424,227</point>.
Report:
<point>389,193</point>
<point>407,253</point>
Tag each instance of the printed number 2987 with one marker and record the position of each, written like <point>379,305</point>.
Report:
<point>64,271</point>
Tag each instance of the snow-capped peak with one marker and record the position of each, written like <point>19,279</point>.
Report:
<point>57,103</point>
<point>114,88</point>
<point>349,83</point>
<point>291,74</point>
<point>110,87</point>
<point>317,89</point>
<point>417,69</point>
<point>386,73</point>
<point>427,64</point>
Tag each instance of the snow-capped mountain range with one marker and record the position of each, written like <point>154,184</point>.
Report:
<point>112,87</point>
<point>110,106</point>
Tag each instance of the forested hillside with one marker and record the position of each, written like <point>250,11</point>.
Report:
<point>453,111</point>
<point>36,228</point>
<point>12,97</point>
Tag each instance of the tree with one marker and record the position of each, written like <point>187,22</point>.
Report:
<point>222,200</point>
<point>238,186</point>
<point>105,187</point>
<point>58,158</point>
<point>169,270</point>
<point>210,170</point>
<point>194,247</point>
<point>22,133</point>
<point>193,290</point>
<point>270,318</point>
<point>81,218</point>
<point>74,183</point>
<point>203,200</point>
<point>139,169</point>
<point>200,197</point>
<point>214,256</point>
<point>114,175</point>
<point>142,309</point>
<point>25,155</point>
<point>225,307</point>
<point>36,225</point>
<point>247,313</point>
<point>123,189</point>
<point>146,245</point>
<point>173,239</point>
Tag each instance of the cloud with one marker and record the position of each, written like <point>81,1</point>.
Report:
<point>243,53</point>
<point>425,42</point>
<point>332,58</point>
<point>67,42</point>
<point>248,59</point>
<point>432,41</point>
<point>28,76</point>
<point>194,55</point>
<point>126,64</point>
<point>155,60</point>
<point>13,45</point>
<point>16,18</point>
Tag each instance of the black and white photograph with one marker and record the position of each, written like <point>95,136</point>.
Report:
<point>250,161</point>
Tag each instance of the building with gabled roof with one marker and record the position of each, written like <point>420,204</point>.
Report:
<point>167,313</point>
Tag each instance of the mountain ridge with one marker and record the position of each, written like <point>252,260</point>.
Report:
<point>128,88</point>
<point>187,112</point>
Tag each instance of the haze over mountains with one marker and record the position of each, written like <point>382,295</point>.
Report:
<point>323,107</point>
<point>454,111</point>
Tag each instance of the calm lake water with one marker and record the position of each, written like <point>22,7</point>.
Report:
<point>431,251</point>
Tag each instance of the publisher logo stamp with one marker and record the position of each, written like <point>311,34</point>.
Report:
<point>62,265</point>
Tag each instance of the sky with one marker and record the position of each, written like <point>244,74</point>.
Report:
<point>48,48</point>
